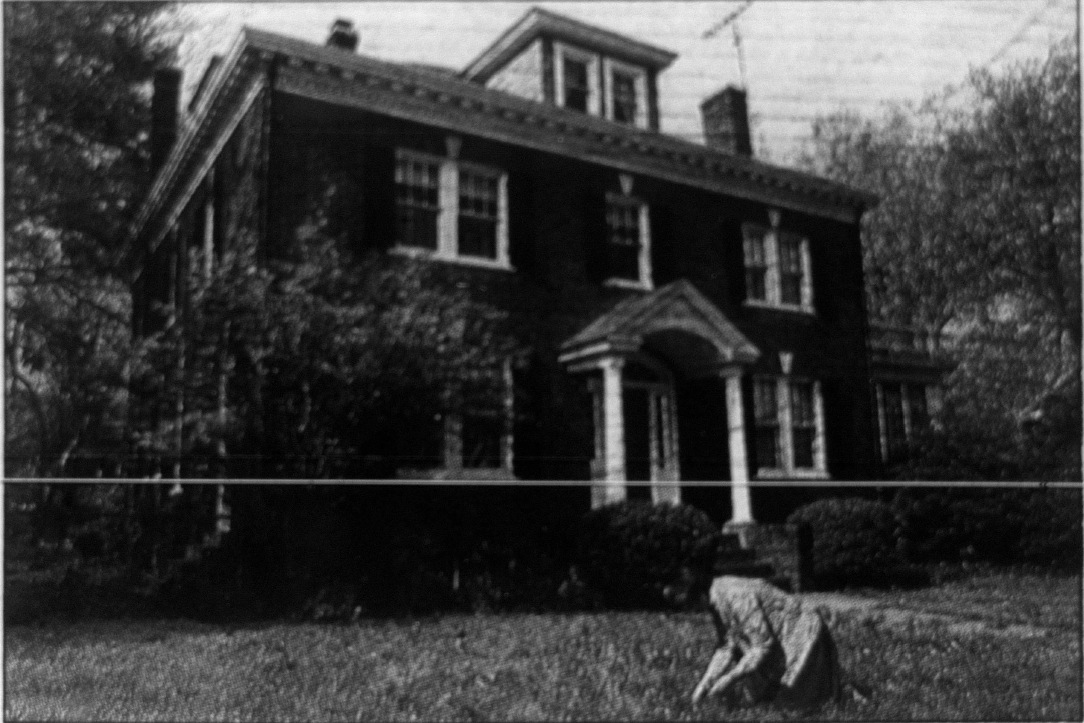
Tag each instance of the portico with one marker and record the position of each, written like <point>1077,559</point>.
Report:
<point>634,355</point>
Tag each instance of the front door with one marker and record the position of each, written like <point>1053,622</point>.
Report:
<point>650,440</point>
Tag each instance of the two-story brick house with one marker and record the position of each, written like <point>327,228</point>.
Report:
<point>703,312</point>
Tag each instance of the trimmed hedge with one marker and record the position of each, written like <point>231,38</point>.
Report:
<point>855,542</point>
<point>634,554</point>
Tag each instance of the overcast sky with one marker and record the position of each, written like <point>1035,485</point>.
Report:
<point>802,59</point>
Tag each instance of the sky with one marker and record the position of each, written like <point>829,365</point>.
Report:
<point>802,59</point>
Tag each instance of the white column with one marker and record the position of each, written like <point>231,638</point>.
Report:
<point>613,415</point>
<point>740,500</point>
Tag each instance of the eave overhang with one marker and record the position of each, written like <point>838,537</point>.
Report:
<point>338,77</point>
<point>538,22</point>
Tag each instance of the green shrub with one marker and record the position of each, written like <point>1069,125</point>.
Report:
<point>855,542</point>
<point>630,553</point>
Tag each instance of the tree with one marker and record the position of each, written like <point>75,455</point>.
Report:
<point>76,103</point>
<point>321,366</point>
<point>977,240</point>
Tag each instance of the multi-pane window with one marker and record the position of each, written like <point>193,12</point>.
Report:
<point>766,415</point>
<point>627,240</point>
<point>902,410</point>
<point>478,213</point>
<point>803,422</point>
<point>777,267</point>
<point>450,209</point>
<point>417,202</point>
<point>623,98</point>
<point>791,270</point>
<point>756,264</point>
<point>789,426</point>
<point>576,84</point>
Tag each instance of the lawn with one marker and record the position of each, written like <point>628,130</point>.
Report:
<point>910,664</point>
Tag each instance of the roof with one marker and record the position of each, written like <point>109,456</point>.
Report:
<point>337,76</point>
<point>539,22</point>
<point>676,307</point>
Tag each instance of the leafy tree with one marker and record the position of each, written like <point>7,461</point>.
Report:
<point>320,366</point>
<point>76,113</point>
<point>977,240</point>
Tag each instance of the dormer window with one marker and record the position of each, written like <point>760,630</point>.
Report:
<point>577,79</point>
<point>624,97</point>
<point>626,91</point>
<point>577,91</point>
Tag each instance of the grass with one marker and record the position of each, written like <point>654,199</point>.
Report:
<point>577,666</point>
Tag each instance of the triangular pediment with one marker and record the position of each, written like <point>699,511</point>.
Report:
<point>666,315</point>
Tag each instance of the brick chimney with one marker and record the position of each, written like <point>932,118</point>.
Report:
<point>343,35</point>
<point>726,122</point>
<point>165,106</point>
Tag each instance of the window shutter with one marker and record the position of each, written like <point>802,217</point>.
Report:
<point>521,219</point>
<point>664,264</point>
<point>734,262</point>
<point>594,235</point>
<point>379,198</point>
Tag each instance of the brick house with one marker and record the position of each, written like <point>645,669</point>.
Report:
<point>703,311</point>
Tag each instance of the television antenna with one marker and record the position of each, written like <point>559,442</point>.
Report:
<point>731,20</point>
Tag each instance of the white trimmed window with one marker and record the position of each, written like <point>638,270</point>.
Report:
<point>470,440</point>
<point>450,209</point>
<point>628,242</point>
<point>625,93</point>
<point>788,427</point>
<point>903,409</point>
<point>577,79</point>
<point>777,268</point>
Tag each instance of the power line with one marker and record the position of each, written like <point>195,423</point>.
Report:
<point>1020,33</point>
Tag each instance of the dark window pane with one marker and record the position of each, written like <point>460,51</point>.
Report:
<point>482,441</point>
<point>895,432</point>
<point>791,289</point>
<point>755,287</point>
<point>764,401</point>
<point>803,448</point>
<point>801,404</point>
<point>477,237</point>
<point>916,399</point>
<point>624,262</point>
<point>767,447</point>
<point>416,227</point>
<point>624,98</point>
<point>576,86</point>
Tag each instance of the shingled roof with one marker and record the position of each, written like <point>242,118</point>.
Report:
<point>676,307</point>
<point>336,76</point>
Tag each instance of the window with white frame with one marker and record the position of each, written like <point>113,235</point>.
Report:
<point>777,268</point>
<point>417,201</point>
<point>628,242</point>
<point>626,93</point>
<point>577,80</point>
<point>902,411</point>
<point>451,209</point>
<point>789,427</point>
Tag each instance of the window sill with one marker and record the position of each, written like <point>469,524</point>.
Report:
<point>476,261</point>
<point>789,308</point>
<point>800,474</point>
<point>615,283</point>
<point>495,474</point>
